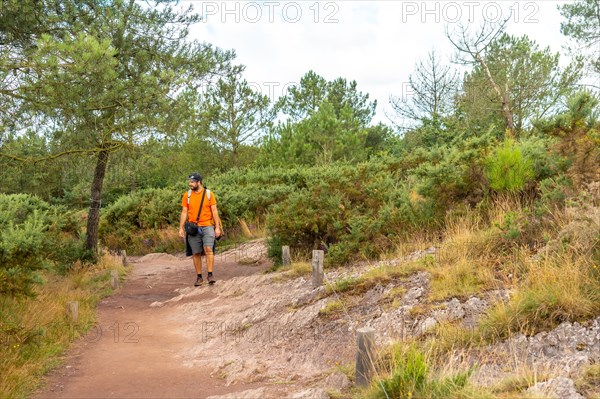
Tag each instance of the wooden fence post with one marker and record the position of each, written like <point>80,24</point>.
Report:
<point>73,311</point>
<point>317,268</point>
<point>365,355</point>
<point>114,279</point>
<point>285,255</point>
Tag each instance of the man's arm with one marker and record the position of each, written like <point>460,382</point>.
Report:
<point>217,219</point>
<point>182,219</point>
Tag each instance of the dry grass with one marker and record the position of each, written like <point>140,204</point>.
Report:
<point>562,287</point>
<point>461,278</point>
<point>490,250</point>
<point>465,263</point>
<point>333,307</point>
<point>295,270</point>
<point>418,242</point>
<point>589,383</point>
<point>448,337</point>
<point>372,277</point>
<point>35,331</point>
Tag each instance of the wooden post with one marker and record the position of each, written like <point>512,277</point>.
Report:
<point>114,279</point>
<point>285,255</point>
<point>124,258</point>
<point>365,339</point>
<point>317,268</point>
<point>73,311</point>
<point>245,229</point>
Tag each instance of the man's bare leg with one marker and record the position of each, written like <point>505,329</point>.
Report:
<point>198,263</point>
<point>210,262</point>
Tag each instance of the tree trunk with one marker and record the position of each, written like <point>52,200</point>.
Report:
<point>91,240</point>
<point>504,98</point>
<point>507,112</point>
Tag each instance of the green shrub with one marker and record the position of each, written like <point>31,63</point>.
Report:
<point>508,170</point>
<point>150,209</point>
<point>410,378</point>
<point>21,255</point>
<point>545,162</point>
<point>352,210</point>
<point>553,193</point>
<point>451,173</point>
<point>33,235</point>
<point>274,251</point>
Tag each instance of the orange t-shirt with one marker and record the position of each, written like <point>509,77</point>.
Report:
<point>206,218</point>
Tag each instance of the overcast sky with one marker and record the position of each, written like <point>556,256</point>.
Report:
<point>376,43</point>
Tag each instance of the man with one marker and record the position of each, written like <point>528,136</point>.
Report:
<point>209,225</point>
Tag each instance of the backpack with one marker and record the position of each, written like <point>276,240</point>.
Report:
<point>190,194</point>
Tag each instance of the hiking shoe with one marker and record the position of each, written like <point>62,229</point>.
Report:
<point>211,280</point>
<point>198,282</point>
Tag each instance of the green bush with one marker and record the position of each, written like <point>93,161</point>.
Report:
<point>352,210</point>
<point>249,193</point>
<point>449,174</point>
<point>545,162</point>
<point>144,210</point>
<point>508,170</point>
<point>553,193</point>
<point>21,254</point>
<point>33,235</point>
<point>274,251</point>
<point>410,378</point>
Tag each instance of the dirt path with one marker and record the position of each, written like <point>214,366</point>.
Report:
<point>135,350</point>
<point>255,335</point>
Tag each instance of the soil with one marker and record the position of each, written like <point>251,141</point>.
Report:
<point>254,335</point>
<point>138,351</point>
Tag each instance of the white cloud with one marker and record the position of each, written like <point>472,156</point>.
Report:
<point>376,43</point>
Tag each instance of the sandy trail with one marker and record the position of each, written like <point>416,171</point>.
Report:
<point>135,350</point>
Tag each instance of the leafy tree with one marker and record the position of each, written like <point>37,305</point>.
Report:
<point>578,131</point>
<point>301,102</point>
<point>530,81</point>
<point>327,122</point>
<point>471,50</point>
<point>583,19</point>
<point>233,113</point>
<point>116,78</point>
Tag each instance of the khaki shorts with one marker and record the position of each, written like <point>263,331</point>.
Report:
<point>204,238</point>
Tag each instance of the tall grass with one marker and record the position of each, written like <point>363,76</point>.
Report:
<point>561,287</point>
<point>34,332</point>
<point>404,372</point>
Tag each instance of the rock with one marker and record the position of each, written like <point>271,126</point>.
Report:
<point>248,394</point>
<point>474,307</point>
<point>427,325</point>
<point>413,295</point>
<point>307,298</point>
<point>248,261</point>
<point>453,311</point>
<point>373,296</point>
<point>420,254</point>
<point>156,304</point>
<point>337,381</point>
<point>559,388</point>
<point>312,393</point>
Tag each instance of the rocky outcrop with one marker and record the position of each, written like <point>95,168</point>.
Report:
<point>555,388</point>
<point>263,328</point>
